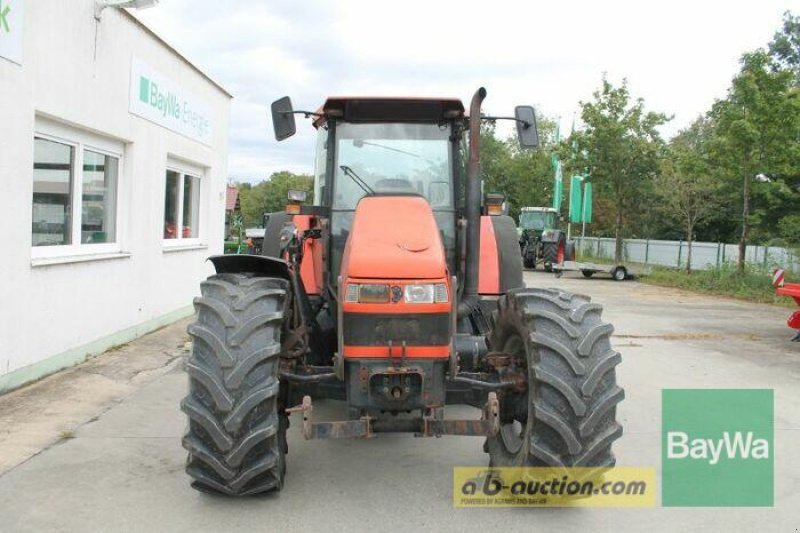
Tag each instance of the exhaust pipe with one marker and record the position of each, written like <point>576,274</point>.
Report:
<point>469,297</point>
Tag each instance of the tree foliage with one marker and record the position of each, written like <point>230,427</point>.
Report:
<point>756,137</point>
<point>785,46</point>
<point>270,195</point>
<point>686,188</point>
<point>621,146</point>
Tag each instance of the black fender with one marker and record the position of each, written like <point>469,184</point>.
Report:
<point>570,251</point>
<point>276,222</point>
<point>256,264</point>
<point>509,258</point>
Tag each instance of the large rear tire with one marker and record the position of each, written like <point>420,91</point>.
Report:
<point>553,253</point>
<point>237,426</point>
<point>567,414</point>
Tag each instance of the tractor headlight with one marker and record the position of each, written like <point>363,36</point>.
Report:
<point>419,294</point>
<point>373,294</point>
<point>426,294</point>
<point>367,293</point>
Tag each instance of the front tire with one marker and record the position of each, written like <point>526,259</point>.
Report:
<point>567,414</point>
<point>237,426</point>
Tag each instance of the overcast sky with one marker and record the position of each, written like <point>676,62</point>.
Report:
<point>678,55</point>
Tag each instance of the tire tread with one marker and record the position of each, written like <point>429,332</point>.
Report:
<point>234,436</point>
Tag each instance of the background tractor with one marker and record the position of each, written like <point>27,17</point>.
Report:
<point>541,239</point>
<point>398,292</point>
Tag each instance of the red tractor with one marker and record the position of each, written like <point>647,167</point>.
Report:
<point>397,292</point>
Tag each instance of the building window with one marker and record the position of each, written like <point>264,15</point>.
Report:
<point>75,183</point>
<point>182,205</point>
<point>53,176</point>
<point>99,200</point>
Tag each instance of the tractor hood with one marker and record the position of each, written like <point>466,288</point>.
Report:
<point>394,237</point>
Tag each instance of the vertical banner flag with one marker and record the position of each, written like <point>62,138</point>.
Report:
<point>587,202</point>
<point>558,177</point>
<point>558,185</point>
<point>575,199</point>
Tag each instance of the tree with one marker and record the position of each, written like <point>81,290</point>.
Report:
<point>756,130</point>
<point>621,147</point>
<point>686,185</point>
<point>270,195</point>
<point>785,46</point>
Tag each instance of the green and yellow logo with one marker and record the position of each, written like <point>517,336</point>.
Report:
<point>4,12</point>
<point>717,447</point>
<point>517,486</point>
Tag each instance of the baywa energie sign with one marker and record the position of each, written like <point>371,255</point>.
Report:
<point>163,101</point>
<point>11,30</point>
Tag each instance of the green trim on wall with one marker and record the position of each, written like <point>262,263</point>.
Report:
<point>78,355</point>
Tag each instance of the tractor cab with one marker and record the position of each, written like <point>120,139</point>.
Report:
<point>538,218</point>
<point>388,147</point>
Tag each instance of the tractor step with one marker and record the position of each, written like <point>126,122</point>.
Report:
<point>427,426</point>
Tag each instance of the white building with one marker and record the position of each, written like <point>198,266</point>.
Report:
<point>113,160</point>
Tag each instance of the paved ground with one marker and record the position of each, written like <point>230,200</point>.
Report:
<point>114,462</point>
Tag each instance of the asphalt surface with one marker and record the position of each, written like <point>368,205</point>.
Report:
<point>122,470</point>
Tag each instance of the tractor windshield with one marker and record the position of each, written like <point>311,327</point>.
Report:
<point>401,158</point>
<point>392,158</point>
<point>537,220</point>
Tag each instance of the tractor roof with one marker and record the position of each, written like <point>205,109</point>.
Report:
<point>538,210</point>
<point>392,109</point>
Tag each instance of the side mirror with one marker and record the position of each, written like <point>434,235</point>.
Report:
<point>283,118</point>
<point>526,126</point>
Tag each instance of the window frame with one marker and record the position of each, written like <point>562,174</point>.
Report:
<point>184,169</point>
<point>80,141</point>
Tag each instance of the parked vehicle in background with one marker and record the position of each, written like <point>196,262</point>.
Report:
<point>541,240</point>
<point>254,238</point>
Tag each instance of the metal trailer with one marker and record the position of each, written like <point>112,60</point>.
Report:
<point>618,272</point>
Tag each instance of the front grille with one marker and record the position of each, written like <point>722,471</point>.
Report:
<point>362,329</point>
